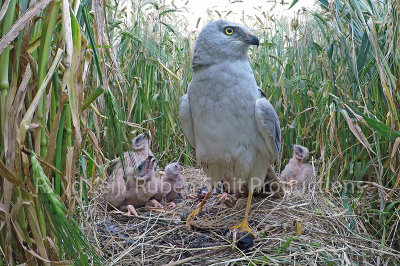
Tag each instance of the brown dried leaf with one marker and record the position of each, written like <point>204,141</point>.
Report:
<point>396,184</point>
<point>31,12</point>
<point>393,155</point>
<point>4,9</point>
<point>96,145</point>
<point>70,176</point>
<point>51,148</point>
<point>25,164</point>
<point>98,34</point>
<point>7,196</point>
<point>3,208</point>
<point>33,222</point>
<point>357,131</point>
<point>24,125</point>
<point>7,174</point>
<point>12,121</point>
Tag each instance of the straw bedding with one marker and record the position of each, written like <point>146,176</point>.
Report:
<point>326,232</point>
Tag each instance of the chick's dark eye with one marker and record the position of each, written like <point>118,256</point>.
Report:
<point>228,31</point>
<point>141,167</point>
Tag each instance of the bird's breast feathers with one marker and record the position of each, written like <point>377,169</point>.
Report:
<point>222,100</point>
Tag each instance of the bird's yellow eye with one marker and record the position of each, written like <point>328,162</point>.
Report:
<point>229,31</point>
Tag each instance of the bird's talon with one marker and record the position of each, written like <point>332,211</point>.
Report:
<point>200,207</point>
<point>192,215</point>
<point>243,226</point>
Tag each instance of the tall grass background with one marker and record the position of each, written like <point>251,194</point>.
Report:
<point>79,80</point>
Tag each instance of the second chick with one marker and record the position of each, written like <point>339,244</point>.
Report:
<point>171,185</point>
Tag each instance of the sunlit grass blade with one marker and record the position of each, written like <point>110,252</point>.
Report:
<point>64,226</point>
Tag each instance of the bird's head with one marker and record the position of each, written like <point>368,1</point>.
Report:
<point>299,152</point>
<point>173,171</point>
<point>141,142</point>
<point>145,170</point>
<point>222,40</point>
<point>203,192</point>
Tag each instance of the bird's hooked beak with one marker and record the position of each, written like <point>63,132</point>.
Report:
<point>253,40</point>
<point>152,161</point>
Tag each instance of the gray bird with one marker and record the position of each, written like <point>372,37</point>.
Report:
<point>234,130</point>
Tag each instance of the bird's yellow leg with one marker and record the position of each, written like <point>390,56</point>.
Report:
<point>244,225</point>
<point>200,207</point>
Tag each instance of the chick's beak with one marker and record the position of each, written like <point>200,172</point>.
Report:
<point>152,161</point>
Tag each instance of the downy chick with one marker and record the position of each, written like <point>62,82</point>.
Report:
<point>171,185</point>
<point>116,188</point>
<point>142,185</point>
<point>297,171</point>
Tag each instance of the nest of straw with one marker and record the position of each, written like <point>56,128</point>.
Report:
<point>301,228</point>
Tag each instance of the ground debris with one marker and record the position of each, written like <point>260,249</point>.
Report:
<point>162,237</point>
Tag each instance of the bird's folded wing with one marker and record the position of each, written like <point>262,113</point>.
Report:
<point>185,119</point>
<point>269,126</point>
